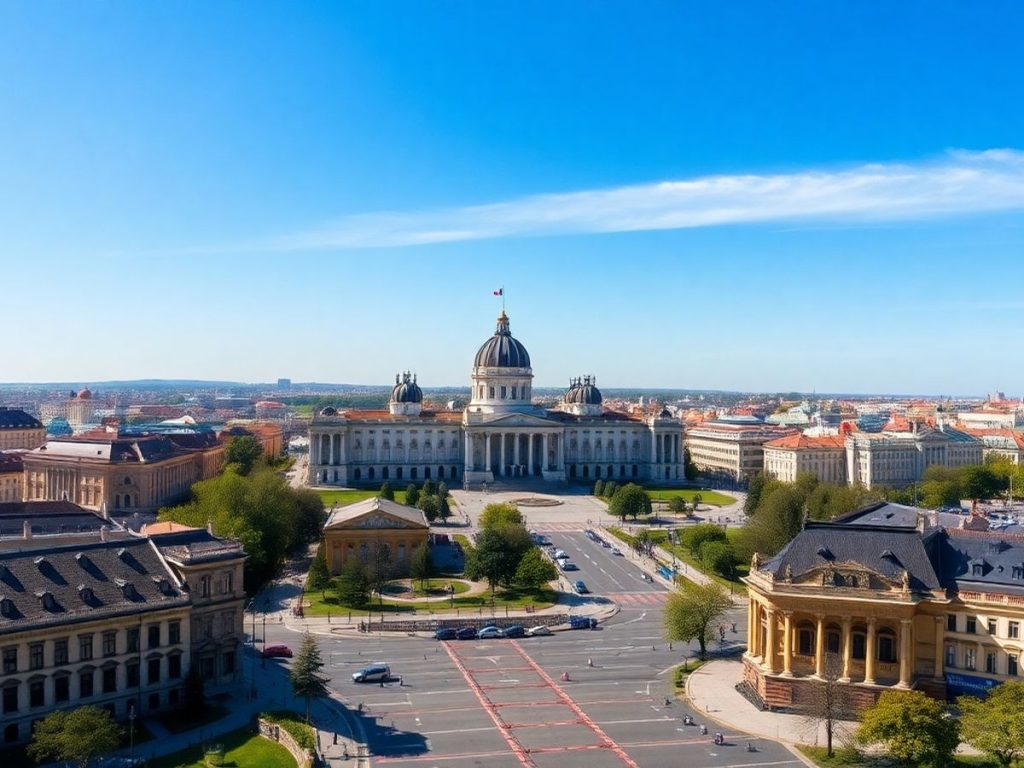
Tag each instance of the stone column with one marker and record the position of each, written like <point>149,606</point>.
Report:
<point>560,452</point>
<point>654,450</point>
<point>819,646</point>
<point>501,453</point>
<point>869,654</point>
<point>750,628</point>
<point>940,650</point>
<point>769,641</point>
<point>787,644</point>
<point>515,448</point>
<point>487,451</point>
<point>330,449</point>
<point>847,650</point>
<point>905,653</point>
<point>529,454</point>
<point>544,462</point>
<point>467,460</point>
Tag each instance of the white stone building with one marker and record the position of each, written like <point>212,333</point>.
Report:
<point>500,434</point>
<point>900,458</point>
<point>731,451</point>
<point>824,457</point>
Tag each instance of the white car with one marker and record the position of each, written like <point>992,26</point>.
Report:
<point>560,554</point>
<point>538,631</point>
<point>616,551</point>
<point>490,633</point>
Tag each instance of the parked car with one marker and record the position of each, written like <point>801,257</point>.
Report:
<point>581,588</point>
<point>372,674</point>
<point>516,630</point>
<point>277,651</point>
<point>466,633</point>
<point>489,633</point>
<point>567,565</point>
<point>605,544</point>
<point>560,554</point>
<point>538,631</point>
<point>445,633</point>
<point>616,551</point>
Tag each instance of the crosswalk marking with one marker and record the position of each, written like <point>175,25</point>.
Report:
<point>638,598</point>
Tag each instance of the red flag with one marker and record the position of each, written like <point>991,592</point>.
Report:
<point>500,292</point>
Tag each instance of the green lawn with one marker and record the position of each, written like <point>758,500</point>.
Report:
<point>660,538</point>
<point>293,722</point>
<point>513,599</point>
<point>242,750</point>
<point>345,496</point>
<point>845,757</point>
<point>713,498</point>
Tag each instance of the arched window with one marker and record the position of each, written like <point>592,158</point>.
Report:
<point>597,471</point>
<point>355,475</point>
<point>426,473</point>
<point>454,473</point>
<point>860,642</point>
<point>127,481</point>
<point>805,639</point>
<point>384,473</point>
<point>611,470</point>
<point>886,642</point>
<point>127,501</point>
<point>833,639</point>
<point>370,473</point>
<point>412,473</point>
<point>572,472</point>
<point>622,471</point>
<point>586,472</point>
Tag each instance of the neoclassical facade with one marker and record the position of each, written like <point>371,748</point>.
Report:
<point>500,434</point>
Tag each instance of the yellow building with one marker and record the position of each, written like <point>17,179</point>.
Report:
<point>19,430</point>
<point>12,477</point>
<point>887,597</point>
<point>358,529</point>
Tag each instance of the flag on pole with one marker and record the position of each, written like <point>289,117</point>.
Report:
<point>500,292</point>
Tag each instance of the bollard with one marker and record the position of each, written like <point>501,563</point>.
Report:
<point>590,662</point>
<point>565,677</point>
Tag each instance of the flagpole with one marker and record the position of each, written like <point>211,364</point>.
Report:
<point>503,299</point>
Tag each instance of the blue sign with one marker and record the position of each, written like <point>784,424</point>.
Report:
<point>957,683</point>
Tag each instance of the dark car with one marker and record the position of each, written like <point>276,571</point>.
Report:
<point>277,651</point>
<point>466,633</point>
<point>445,633</point>
<point>516,630</point>
<point>581,588</point>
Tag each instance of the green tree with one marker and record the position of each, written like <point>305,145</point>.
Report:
<point>386,492</point>
<point>496,515</point>
<point>599,488</point>
<point>379,569</point>
<point>693,538</point>
<point>76,735</point>
<point>412,494</point>
<point>689,468</point>
<point>319,577</point>
<point>498,552</point>
<point>430,506</point>
<point>695,613</point>
<point>534,570</point>
<point>421,567</point>
<point>429,488</point>
<point>443,510</point>
<point>779,518</point>
<point>442,490</point>
<point>353,584</point>
<point>830,500</point>
<point>912,727</point>
<point>243,451</point>
<point>677,505</point>
<point>995,724</point>
<point>718,557</point>
<point>979,482</point>
<point>630,501</point>
<point>307,681</point>
<point>610,488</point>
<point>755,488</point>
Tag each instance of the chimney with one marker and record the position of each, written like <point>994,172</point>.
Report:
<point>103,511</point>
<point>103,532</point>
<point>26,529</point>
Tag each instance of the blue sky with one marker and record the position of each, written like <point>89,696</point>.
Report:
<point>743,196</point>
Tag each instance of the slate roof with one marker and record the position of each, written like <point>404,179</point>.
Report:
<point>196,545</point>
<point>79,582</point>
<point>368,506</point>
<point>109,449</point>
<point>11,462</point>
<point>15,418</point>
<point>47,517</point>
<point>996,553</point>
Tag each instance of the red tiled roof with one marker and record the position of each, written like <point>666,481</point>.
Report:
<point>797,442</point>
<point>1011,434</point>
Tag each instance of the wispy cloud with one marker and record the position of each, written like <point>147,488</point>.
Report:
<point>958,183</point>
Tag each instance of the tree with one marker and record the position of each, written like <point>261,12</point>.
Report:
<point>428,489</point>
<point>319,577</point>
<point>495,515</point>
<point>718,557</point>
<point>694,613</point>
<point>630,501</point>
<point>535,570</point>
<point>244,451</point>
<point>995,725</point>
<point>599,488</point>
<point>979,482</point>
<point>442,490</point>
<point>912,727</point>
<point>754,490</point>
<point>689,468</point>
<point>77,735</point>
<point>353,584</point>
<point>412,494</point>
<point>386,492</point>
<point>779,518</point>
<point>307,681</point>
<point>610,488</point>
<point>677,505</point>
<point>421,567</point>
<point>941,487</point>
<point>443,510</point>
<point>829,700</point>
<point>430,506</point>
<point>496,556</point>
<point>693,538</point>
<point>644,542</point>
<point>830,500</point>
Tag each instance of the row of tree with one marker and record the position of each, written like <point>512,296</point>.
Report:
<point>504,554</point>
<point>431,499</point>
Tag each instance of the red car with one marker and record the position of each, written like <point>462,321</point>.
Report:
<point>277,651</point>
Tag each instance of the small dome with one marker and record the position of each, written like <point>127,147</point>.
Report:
<point>85,394</point>
<point>330,410</point>
<point>502,350</point>
<point>406,390</point>
<point>583,391</point>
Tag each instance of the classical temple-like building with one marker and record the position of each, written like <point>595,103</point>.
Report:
<point>500,434</point>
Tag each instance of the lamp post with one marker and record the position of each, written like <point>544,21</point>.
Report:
<point>131,730</point>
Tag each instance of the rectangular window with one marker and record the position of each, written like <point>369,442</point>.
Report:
<point>229,663</point>
<point>110,680</point>
<point>990,663</point>
<point>10,660</point>
<point>174,632</point>
<point>133,640</point>
<point>153,671</point>
<point>204,586</point>
<point>153,641</point>
<point>35,656</point>
<point>174,666</point>
<point>10,699</point>
<point>951,622</point>
<point>110,644</point>
<point>1011,666</point>
<point>1013,630</point>
<point>992,627</point>
<point>133,675</point>
<point>85,684</point>
<point>972,626</point>
<point>60,652</point>
<point>61,689</point>
<point>84,647</point>
<point>970,659</point>
<point>229,582</point>
<point>36,694</point>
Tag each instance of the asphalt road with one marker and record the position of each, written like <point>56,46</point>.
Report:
<point>501,703</point>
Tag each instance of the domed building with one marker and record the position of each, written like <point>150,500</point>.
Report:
<point>500,434</point>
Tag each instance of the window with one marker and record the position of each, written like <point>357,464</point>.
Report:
<point>174,666</point>
<point>1013,630</point>
<point>110,680</point>
<point>1011,665</point>
<point>10,660</point>
<point>174,632</point>
<point>833,641</point>
<point>490,392</point>
<point>805,642</point>
<point>35,656</point>
<point>153,640</point>
<point>133,674</point>
<point>859,645</point>
<point>990,663</point>
<point>972,625</point>
<point>1017,572</point>
<point>514,393</point>
<point>109,643</point>
<point>84,647</point>
<point>36,694</point>
<point>951,622</point>
<point>154,701</point>
<point>11,733</point>
<point>970,659</point>
<point>61,688</point>
<point>886,647</point>
<point>229,662</point>
<point>204,587</point>
<point>60,651</point>
<point>229,583</point>
<point>153,671</point>
<point>992,626</point>
<point>133,640</point>
<point>85,684</point>
<point>10,699</point>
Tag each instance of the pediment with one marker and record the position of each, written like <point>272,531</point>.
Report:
<point>375,520</point>
<point>846,575</point>
<point>517,420</point>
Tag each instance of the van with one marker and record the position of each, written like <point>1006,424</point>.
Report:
<point>372,674</point>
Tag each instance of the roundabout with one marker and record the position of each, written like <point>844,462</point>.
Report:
<point>536,501</point>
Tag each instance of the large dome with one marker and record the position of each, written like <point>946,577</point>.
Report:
<point>502,350</point>
<point>583,392</point>
<point>406,390</point>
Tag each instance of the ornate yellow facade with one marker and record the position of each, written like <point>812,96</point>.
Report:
<point>357,530</point>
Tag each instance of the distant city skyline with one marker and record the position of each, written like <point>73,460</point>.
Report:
<point>758,199</point>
